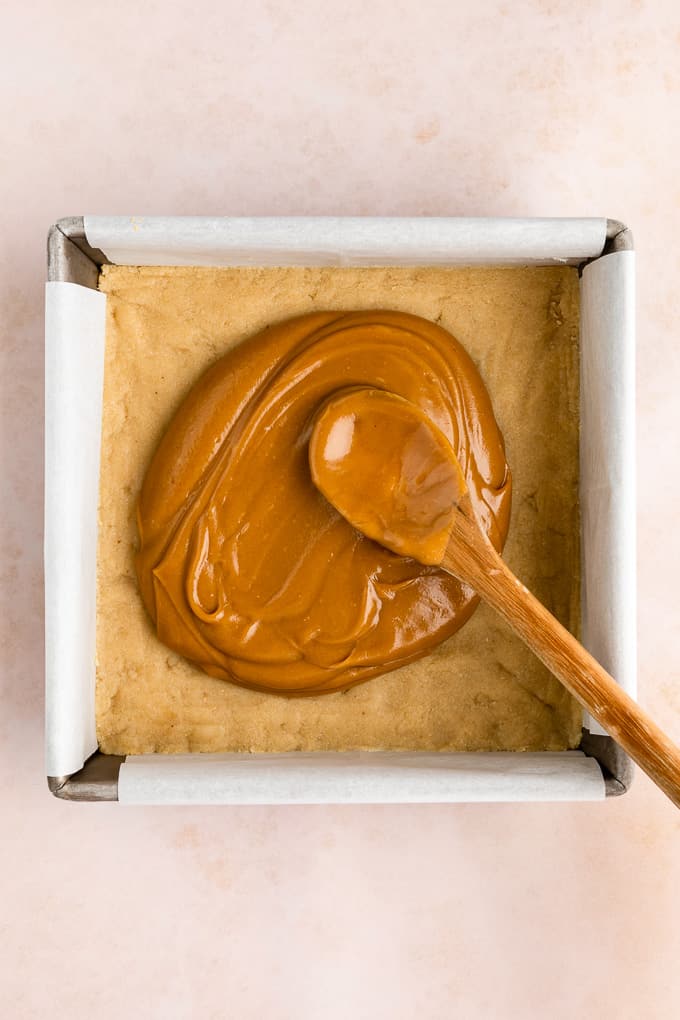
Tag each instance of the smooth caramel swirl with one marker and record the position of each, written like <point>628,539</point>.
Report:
<point>245,568</point>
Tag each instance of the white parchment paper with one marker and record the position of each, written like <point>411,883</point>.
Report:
<point>358,778</point>
<point>607,482</point>
<point>344,240</point>
<point>74,372</point>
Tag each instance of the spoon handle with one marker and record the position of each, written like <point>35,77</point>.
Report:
<point>482,567</point>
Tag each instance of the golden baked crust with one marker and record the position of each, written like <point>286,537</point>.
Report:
<point>481,690</point>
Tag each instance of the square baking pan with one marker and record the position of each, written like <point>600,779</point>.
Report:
<point>602,249</point>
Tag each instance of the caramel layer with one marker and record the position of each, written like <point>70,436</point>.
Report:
<point>245,568</point>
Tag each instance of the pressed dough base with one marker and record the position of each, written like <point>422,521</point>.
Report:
<point>481,689</point>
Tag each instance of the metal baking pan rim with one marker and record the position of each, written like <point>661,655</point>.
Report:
<point>70,258</point>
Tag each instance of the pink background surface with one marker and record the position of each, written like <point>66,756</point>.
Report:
<point>543,108</point>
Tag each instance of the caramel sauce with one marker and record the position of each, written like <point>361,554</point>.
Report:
<point>388,470</point>
<point>243,565</point>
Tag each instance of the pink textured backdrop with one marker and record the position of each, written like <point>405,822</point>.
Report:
<point>468,107</point>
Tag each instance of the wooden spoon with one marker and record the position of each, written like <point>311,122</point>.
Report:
<point>392,474</point>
